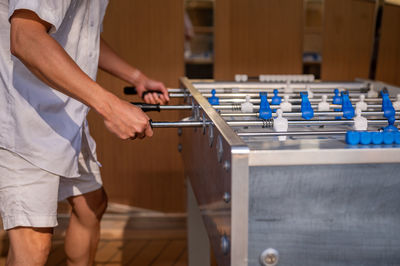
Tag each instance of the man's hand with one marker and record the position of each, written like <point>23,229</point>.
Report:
<point>126,120</point>
<point>153,92</point>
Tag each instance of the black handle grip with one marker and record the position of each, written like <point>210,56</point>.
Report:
<point>130,90</point>
<point>147,107</point>
<point>133,91</point>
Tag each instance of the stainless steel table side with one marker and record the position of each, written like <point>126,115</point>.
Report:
<point>216,162</point>
<point>325,214</point>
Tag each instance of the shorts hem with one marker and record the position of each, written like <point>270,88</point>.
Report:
<point>36,221</point>
<point>81,190</point>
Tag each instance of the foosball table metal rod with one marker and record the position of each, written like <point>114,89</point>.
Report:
<point>299,114</point>
<point>238,107</point>
<point>291,133</point>
<point>263,123</point>
<point>298,99</point>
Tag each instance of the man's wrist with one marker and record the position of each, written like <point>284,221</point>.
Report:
<point>103,102</point>
<point>137,77</point>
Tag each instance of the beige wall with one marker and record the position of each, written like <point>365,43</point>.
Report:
<point>258,37</point>
<point>388,68</point>
<point>347,39</point>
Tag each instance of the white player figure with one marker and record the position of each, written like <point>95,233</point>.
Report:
<point>372,93</point>
<point>288,88</point>
<point>396,104</point>
<point>280,124</point>
<point>285,105</point>
<point>309,92</point>
<point>360,123</point>
<point>247,106</point>
<point>323,106</point>
<point>361,104</point>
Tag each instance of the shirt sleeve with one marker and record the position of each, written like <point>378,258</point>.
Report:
<point>51,11</point>
<point>104,9</point>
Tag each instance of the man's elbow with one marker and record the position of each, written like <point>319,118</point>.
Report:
<point>26,30</point>
<point>19,39</point>
<point>15,46</point>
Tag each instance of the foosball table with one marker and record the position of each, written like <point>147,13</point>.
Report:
<point>286,170</point>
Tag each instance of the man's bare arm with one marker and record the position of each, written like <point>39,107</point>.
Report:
<point>110,62</point>
<point>46,59</point>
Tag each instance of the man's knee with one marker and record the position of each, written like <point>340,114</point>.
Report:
<point>41,252</point>
<point>90,207</point>
<point>101,205</point>
<point>29,246</point>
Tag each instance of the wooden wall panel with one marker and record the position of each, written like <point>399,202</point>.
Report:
<point>388,68</point>
<point>147,173</point>
<point>348,39</point>
<point>258,37</point>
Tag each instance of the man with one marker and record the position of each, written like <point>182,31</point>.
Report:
<point>49,54</point>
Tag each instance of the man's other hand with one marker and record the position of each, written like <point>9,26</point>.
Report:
<point>153,92</point>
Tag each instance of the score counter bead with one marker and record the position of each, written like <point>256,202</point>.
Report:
<point>377,138</point>
<point>241,78</point>
<point>397,137</point>
<point>352,137</point>
<point>388,137</point>
<point>365,137</point>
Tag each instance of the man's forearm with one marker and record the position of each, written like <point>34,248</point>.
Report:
<point>112,63</point>
<point>45,58</point>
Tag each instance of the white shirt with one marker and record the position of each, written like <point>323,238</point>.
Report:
<point>43,125</point>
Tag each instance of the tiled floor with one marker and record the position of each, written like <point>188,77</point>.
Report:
<point>139,238</point>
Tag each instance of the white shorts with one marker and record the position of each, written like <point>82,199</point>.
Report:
<point>29,195</point>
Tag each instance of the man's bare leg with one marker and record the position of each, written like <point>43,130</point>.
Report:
<point>29,246</point>
<point>83,231</point>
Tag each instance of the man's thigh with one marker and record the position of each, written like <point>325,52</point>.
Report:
<point>29,246</point>
<point>89,179</point>
<point>28,194</point>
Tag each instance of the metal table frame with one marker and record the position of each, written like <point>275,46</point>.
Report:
<point>236,156</point>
